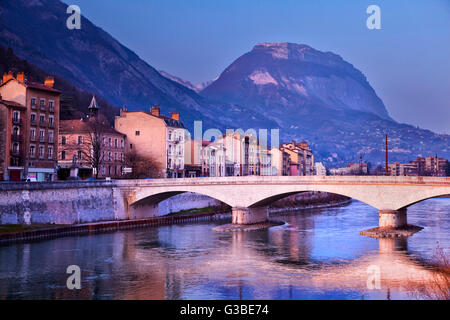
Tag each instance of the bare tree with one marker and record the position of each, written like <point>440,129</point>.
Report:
<point>90,149</point>
<point>141,166</point>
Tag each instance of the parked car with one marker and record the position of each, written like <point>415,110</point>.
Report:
<point>30,179</point>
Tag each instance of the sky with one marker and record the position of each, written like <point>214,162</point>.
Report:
<point>406,61</point>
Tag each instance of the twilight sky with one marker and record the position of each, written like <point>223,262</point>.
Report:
<point>407,61</point>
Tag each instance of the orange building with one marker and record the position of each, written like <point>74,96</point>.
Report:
<point>37,127</point>
<point>155,136</point>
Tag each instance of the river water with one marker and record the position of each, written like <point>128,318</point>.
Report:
<point>317,254</point>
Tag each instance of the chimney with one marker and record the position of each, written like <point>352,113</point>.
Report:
<point>49,82</point>
<point>155,111</point>
<point>175,116</point>
<point>7,76</point>
<point>20,76</point>
<point>123,112</point>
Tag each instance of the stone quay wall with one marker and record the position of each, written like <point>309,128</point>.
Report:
<point>75,202</point>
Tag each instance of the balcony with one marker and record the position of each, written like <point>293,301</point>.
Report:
<point>16,138</point>
<point>15,152</point>
<point>41,139</point>
<point>17,121</point>
<point>33,138</point>
<point>50,139</point>
<point>33,106</point>
<point>42,107</point>
<point>33,122</point>
<point>42,123</point>
<point>51,124</point>
<point>51,109</point>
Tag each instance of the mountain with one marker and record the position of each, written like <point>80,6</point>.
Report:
<point>197,88</point>
<point>94,61</point>
<point>319,97</point>
<point>289,75</point>
<point>74,101</point>
<point>183,82</point>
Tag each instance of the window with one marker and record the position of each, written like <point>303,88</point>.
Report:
<point>122,143</point>
<point>42,120</point>
<point>50,121</point>
<point>79,155</point>
<point>50,136</point>
<point>33,134</point>
<point>15,147</point>
<point>131,146</point>
<point>63,140</point>
<point>42,103</point>
<point>33,118</point>
<point>80,140</point>
<point>138,133</point>
<point>170,136</point>
<point>16,131</point>
<point>63,155</point>
<point>109,156</point>
<point>16,115</point>
<point>51,104</point>
<point>115,156</point>
<point>110,142</point>
<point>33,102</point>
<point>115,143</point>
<point>41,135</point>
<point>41,152</point>
<point>50,152</point>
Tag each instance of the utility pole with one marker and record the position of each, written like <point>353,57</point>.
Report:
<point>387,173</point>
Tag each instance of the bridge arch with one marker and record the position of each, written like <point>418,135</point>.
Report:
<point>156,196</point>
<point>425,198</point>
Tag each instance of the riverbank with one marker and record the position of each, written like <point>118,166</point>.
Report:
<point>55,231</point>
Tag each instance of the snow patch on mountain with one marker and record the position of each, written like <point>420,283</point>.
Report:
<point>262,77</point>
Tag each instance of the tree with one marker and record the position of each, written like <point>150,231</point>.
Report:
<point>141,166</point>
<point>90,149</point>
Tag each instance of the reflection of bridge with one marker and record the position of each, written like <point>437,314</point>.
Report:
<point>250,196</point>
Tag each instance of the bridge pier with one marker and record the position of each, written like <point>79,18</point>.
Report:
<point>392,218</point>
<point>243,215</point>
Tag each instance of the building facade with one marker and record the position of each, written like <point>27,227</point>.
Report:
<point>422,166</point>
<point>156,137</point>
<point>12,137</point>
<point>280,162</point>
<point>37,127</point>
<point>301,158</point>
<point>92,145</point>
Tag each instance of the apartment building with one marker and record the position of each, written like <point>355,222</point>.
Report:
<point>34,134</point>
<point>156,137</point>
<point>301,158</point>
<point>97,149</point>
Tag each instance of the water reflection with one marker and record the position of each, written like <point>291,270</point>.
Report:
<point>317,254</point>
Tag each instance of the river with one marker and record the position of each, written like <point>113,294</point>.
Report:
<point>317,254</point>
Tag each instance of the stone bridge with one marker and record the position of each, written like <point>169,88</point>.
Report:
<point>249,197</point>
